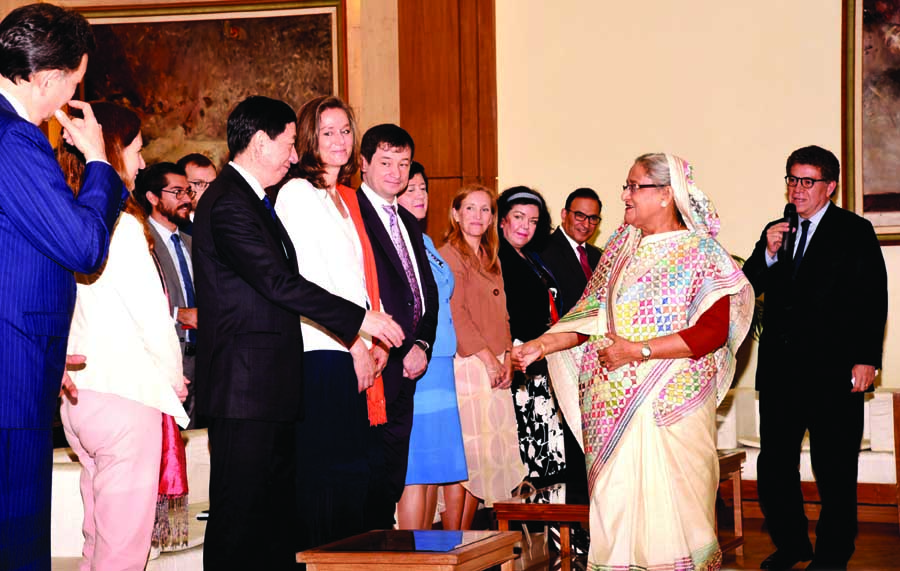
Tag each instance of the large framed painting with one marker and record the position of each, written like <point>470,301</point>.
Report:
<point>184,66</point>
<point>871,101</point>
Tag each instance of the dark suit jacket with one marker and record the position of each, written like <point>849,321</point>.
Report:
<point>171,275</point>
<point>831,316</point>
<point>249,296</point>
<point>560,259</point>
<point>45,235</point>
<point>396,295</point>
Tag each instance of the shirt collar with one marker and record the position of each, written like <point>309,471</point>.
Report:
<point>817,217</point>
<point>16,104</point>
<point>163,232</point>
<point>375,199</point>
<point>572,242</point>
<point>251,180</point>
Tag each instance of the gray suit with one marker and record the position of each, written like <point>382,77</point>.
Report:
<point>176,299</point>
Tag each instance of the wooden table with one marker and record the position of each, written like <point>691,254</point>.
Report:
<point>548,505</point>
<point>730,463</point>
<point>395,550</point>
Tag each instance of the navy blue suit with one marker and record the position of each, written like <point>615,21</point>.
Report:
<point>45,235</point>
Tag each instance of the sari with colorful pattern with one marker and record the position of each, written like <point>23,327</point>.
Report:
<point>648,428</point>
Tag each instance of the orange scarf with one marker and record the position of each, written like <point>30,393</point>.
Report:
<point>375,393</point>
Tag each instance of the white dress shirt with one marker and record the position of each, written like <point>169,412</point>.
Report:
<point>378,204</point>
<point>166,236</point>
<point>813,224</point>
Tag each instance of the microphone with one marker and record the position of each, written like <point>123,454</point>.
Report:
<point>787,242</point>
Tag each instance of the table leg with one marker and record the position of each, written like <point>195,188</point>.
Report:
<point>503,525</point>
<point>738,512</point>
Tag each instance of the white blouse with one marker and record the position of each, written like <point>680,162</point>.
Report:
<point>123,327</point>
<point>329,252</point>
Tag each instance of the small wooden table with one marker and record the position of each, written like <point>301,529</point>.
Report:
<point>549,505</point>
<point>395,550</point>
<point>730,463</point>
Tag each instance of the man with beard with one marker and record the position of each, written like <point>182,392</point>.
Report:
<point>200,171</point>
<point>164,192</point>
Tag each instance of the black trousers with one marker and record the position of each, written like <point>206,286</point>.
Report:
<point>835,424</point>
<point>252,521</point>
<point>332,451</point>
<point>389,457</point>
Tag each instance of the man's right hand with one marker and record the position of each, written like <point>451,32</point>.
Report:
<point>84,134</point>
<point>774,237</point>
<point>380,325</point>
<point>188,316</point>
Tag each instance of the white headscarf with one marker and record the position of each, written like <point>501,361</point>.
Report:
<point>696,208</point>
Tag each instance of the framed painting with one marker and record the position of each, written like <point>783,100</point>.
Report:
<point>184,66</point>
<point>871,106</point>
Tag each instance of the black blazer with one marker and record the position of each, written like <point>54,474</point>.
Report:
<point>396,295</point>
<point>249,296</point>
<point>560,259</point>
<point>828,318</point>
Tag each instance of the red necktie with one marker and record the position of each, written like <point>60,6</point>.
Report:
<point>582,257</point>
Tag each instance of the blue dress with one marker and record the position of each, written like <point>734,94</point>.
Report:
<point>436,454</point>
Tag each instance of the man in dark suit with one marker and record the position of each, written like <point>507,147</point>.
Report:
<point>821,344</point>
<point>567,253</point>
<point>46,234</point>
<point>249,351</point>
<point>163,191</point>
<point>572,261</point>
<point>408,293</point>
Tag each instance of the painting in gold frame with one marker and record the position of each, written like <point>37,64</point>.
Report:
<point>871,106</point>
<point>184,66</point>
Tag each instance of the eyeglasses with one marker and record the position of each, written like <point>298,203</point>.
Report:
<point>181,192</point>
<point>581,217</point>
<point>199,185</point>
<point>637,187</point>
<point>805,182</point>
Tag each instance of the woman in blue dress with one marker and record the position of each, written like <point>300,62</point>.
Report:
<point>436,454</point>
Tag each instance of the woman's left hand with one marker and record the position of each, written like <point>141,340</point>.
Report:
<point>506,374</point>
<point>620,352</point>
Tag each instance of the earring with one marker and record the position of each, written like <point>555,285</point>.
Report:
<point>663,203</point>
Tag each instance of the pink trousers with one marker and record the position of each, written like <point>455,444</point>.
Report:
<point>119,443</point>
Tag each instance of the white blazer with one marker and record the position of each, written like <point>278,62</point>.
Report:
<point>123,326</point>
<point>329,252</point>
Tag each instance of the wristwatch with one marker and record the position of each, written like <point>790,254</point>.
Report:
<point>645,351</point>
<point>423,345</point>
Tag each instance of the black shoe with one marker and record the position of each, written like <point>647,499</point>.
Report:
<point>782,560</point>
<point>825,566</point>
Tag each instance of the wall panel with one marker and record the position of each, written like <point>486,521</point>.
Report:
<point>448,95</point>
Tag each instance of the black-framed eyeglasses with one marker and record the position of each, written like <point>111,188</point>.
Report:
<point>581,217</point>
<point>637,187</point>
<point>181,192</point>
<point>198,185</point>
<point>804,181</point>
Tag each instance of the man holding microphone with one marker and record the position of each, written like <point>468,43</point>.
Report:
<point>821,346</point>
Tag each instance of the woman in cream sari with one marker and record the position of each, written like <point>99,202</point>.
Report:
<point>639,366</point>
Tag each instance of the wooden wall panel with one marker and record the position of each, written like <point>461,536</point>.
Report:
<point>448,95</point>
<point>430,82</point>
<point>440,194</point>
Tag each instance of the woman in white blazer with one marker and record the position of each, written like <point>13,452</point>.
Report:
<point>132,375</point>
